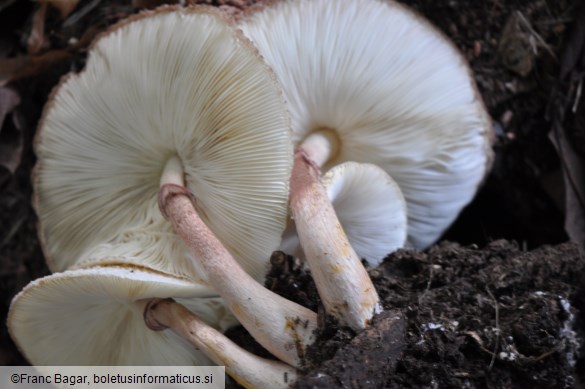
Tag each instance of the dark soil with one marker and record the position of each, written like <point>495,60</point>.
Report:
<point>483,312</point>
<point>495,317</point>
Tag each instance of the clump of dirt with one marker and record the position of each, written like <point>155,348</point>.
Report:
<point>455,317</point>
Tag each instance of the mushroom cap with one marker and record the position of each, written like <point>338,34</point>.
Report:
<point>394,90</point>
<point>370,208</point>
<point>175,82</point>
<point>88,317</point>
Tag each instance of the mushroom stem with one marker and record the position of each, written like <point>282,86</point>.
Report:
<point>284,328</point>
<point>342,281</point>
<point>246,368</point>
<point>173,172</point>
<point>321,146</point>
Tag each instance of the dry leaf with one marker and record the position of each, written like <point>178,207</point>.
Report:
<point>140,4</point>
<point>11,141</point>
<point>520,44</point>
<point>65,7</point>
<point>9,99</point>
<point>12,69</point>
<point>10,155</point>
<point>574,178</point>
<point>36,40</point>
<point>574,53</point>
<point>567,102</point>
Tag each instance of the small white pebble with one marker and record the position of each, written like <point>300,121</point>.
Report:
<point>507,356</point>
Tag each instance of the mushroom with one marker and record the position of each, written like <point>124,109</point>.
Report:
<point>346,290</point>
<point>246,368</point>
<point>174,84</point>
<point>176,99</point>
<point>103,316</point>
<point>91,317</point>
<point>370,208</point>
<point>371,81</point>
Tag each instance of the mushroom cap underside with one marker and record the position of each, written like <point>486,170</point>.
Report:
<point>394,90</point>
<point>89,317</point>
<point>177,82</point>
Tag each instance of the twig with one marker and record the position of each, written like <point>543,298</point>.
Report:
<point>428,287</point>
<point>546,354</point>
<point>526,24</point>
<point>577,95</point>
<point>497,309</point>
<point>557,128</point>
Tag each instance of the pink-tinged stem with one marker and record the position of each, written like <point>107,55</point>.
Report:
<point>342,281</point>
<point>284,328</point>
<point>247,369</point>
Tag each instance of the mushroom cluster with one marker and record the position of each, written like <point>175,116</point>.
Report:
<point>167,173</point>
<point>370,81</point>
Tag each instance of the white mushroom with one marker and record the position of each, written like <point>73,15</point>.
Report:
<point>370,81</point>
<point>246,368</point>
<point>90,317</point>
<point>175,83</point>
<point>346,290</point>
<point>370,208</point>
<point>176,99</point>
